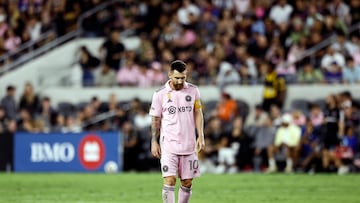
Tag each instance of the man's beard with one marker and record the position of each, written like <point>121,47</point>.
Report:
<point>178,86</point>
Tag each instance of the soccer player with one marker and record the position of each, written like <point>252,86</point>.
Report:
<point>176,117</point>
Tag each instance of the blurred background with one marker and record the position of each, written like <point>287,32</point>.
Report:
<point>279,82</point>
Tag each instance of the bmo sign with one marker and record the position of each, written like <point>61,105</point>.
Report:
<point>76,152</point>
<point>58,152</point>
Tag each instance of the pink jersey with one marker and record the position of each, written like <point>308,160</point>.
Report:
<point>176,109</point>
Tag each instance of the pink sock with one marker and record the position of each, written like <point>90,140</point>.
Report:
<point>168,194</point>
<point>184,194</point>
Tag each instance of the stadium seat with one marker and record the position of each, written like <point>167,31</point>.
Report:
<point>321,102</point>
<point>66,108</point>
<point>300,104</point>
<point>244,108</point>
<point>81,105</point>
<point>208,107</point>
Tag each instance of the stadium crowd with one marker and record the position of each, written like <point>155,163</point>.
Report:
<point>228,42</point>
<point>223,42</point>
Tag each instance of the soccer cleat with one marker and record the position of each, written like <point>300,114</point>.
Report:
<point>271,169</point>
<point>288,170</point>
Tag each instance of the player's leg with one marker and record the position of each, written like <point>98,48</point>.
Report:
<point>169,163</point>
<point>185,191</point>
<point>188,169</point>
<point>168,192</point>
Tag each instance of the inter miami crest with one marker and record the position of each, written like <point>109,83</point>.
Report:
<point>188,98</point>
<point>165,168</point>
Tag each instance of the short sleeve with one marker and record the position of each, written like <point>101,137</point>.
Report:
<point>156,107</point>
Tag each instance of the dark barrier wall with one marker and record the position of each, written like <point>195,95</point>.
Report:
<point>75,152</point>
<point>6,151</point>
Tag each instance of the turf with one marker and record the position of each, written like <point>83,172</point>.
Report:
<point>146,187</point>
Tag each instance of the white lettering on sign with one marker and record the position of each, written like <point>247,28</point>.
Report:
<point>92,152</point>
<point>57,152</point>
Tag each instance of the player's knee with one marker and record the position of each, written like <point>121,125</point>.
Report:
<point>186,183</point>
<point>171,180</point>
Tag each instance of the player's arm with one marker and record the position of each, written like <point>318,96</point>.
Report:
<point>155,134</point>
<point>199,124</point>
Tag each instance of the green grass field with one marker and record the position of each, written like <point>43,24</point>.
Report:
<point>146,187</point>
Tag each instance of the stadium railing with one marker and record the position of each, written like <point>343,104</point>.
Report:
<point>11,60</point>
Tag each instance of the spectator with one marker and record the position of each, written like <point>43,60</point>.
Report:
<point>158,74</point>
<point>59,125</point>
<point>256,119</point>
<point>142,120</point>
<point>297,50</point>
<point>188,13</point>
<point>344,46</point>
<point>242,60</point>
<point>46,113</point>
<point>72,125</point>
<point>259,25</point>
<point>9,104</point>
<point>226,22</point>
<point>274,89</point>
<point>29,99</point>
<point>209,156</point>
<point>330,58</point>
<point>12,41</point>
<point>281,12</point>
<point>341,10</point>
<point>298,117</point>
<point>227,75</point>
<point>263,139</point>
<point>3,120</point>
<point>3,24</point>
<point>88,64</point>
<point>258,47</point>
<point>309,75</point>
<point>287,140</point>
<point>351,116</point>
<point>145,76</point>
<point>131,146</point>
<point>230,146</point>
<point>310,150</point>
<point>207,26</point>
<point>34,28</point>
<point>298,31</point>
<point>313,16</point>
<point>128,75</point>
<point>7,130</point>
<point>351,72</point>
<point>344,153</point>
<point>316,116</point>
<point>275,114</point>
<point>25,122</point>
<point>333,74</point>
<point>329,135</point>
<point>355,11</point>
<point>227,108</point>
<point>112,50</point>
<point>105,76</point>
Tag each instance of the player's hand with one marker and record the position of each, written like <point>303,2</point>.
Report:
<point>155,149</point>
<point>200,144</point>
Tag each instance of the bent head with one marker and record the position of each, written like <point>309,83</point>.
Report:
<point>177,74</point>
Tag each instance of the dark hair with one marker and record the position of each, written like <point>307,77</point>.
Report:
<point>178,65</point>
<point>10,88</point>
<point>346,94</point>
